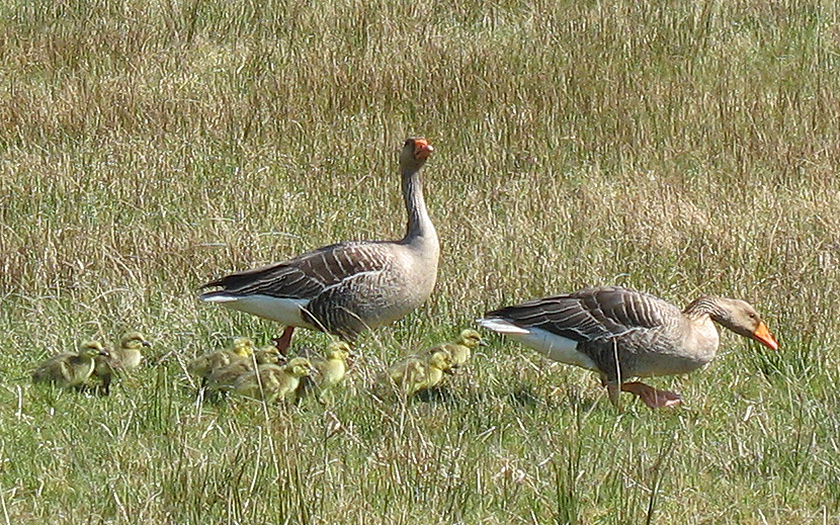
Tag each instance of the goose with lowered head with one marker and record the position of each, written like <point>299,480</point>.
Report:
<point>622,334</point>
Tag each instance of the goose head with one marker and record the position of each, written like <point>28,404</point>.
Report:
<point>740,317</point>
<point>338,350</point>
<point>414,153</point>
<point>133,340</point>
<point>299,367</point>
<point>470,338</point>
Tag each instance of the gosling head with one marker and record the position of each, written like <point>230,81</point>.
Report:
<point>338,350</point>
<point>133,339</point>
<point>92,349</point>
<point>441,360</point>
<point>268,354</point>
<point>471,338</point>
<point>299,367</point>
<point>243,346</point>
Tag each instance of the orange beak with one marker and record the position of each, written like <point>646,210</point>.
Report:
<point>422,149</point>
<point>763,336</point>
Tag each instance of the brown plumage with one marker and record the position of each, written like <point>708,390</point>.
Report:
<point>621,334</point>
<point>345,289</point>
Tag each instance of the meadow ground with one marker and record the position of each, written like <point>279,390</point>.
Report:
<point>675,147</point>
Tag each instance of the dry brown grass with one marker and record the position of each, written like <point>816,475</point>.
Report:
<point>679,148</point>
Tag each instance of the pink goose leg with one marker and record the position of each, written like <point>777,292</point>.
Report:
<point>651,396</point>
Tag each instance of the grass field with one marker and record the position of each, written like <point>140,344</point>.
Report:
<point>674,147</point>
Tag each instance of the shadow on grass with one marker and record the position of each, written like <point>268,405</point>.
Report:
<point>524,395</point>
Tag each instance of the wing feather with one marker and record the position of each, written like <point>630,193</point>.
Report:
<point>309,275</point>
<point>591,314</point>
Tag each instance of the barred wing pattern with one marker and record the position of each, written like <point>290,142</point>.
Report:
<point>591,314</point>
<point>606,323</point>
<point>308,275</point>
<point>323,277</point>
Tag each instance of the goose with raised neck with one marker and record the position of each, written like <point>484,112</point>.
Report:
<point>346,288</point>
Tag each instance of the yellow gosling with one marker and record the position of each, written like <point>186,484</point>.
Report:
<point>461,348</point>
<point>272,382</point>
<point>129,354</point>
<point>70,370</point>
<point>418,373</point>
<point>224,378</point>
<point>203,365</point>
<point>125,358</point>
<point>329,371</point>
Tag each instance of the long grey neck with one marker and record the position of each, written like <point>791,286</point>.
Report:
<point>419,223</point>
<point>706,305</point>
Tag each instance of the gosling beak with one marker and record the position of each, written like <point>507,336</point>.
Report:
<point>146,344</point>
<point>762,335</point>
<point>422,149</point>
<point>482,342</point>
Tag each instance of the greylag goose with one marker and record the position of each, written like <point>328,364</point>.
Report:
<point>460,350</point>
<point>203,365</point>
<point>346,288</point>
<point>417,373</point>
<point>119,360</point>
<point>273,382</point>
<point>70,370</point>
<point>223,379</point>
<point>622,334</point>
